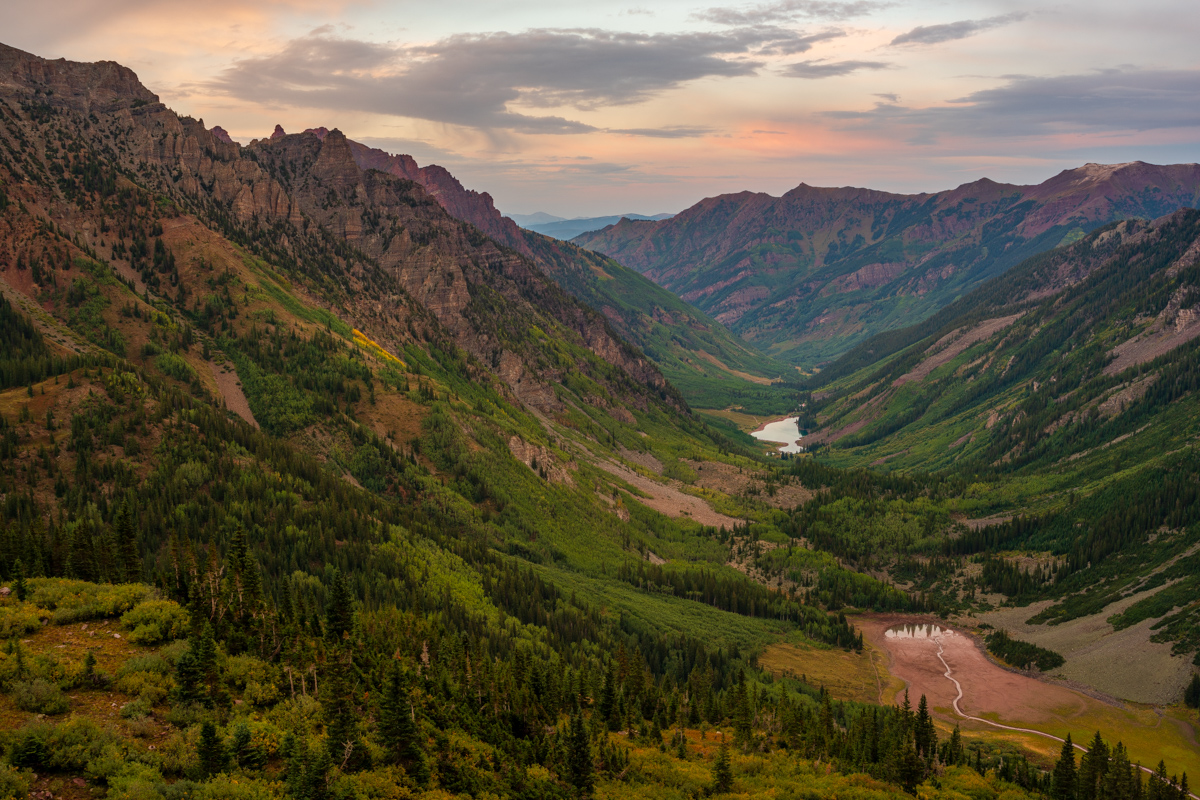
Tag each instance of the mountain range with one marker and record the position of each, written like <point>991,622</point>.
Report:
<point>809,275</point>
<point>570,228</point>
<point>319,478</point>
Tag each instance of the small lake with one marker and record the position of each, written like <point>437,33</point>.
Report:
<point>907,631</point>
<point>782,431</point>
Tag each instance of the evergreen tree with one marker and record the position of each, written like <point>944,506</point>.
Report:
<point>1093,766</point>
<point>398,728</point>
<point>306,769</point>
<point>722,772</point>
<point>343,738</point>
<point>910,765</point>
<point>339,614</point>
<point>743,717</point>
<point>195,671</point>
<point>1063,777</point>
<point>579,756</point>
<point>242,750</point>
<point>19,585</point>
<point>1191,695</point>
<point>210,751</point>
<point>926,734</point>
<point>128,561</point>
<point>955,753</point>
<point>243,582</point>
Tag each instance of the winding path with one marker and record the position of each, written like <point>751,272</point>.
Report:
<point>950,677</point>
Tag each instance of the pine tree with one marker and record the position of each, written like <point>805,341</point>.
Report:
<point>19,586</point>
<point>343,738</point>
<point>955,753</point>
<point>129,562</point>
<point>742,715</point>
<point>1092,768</point>
<point>195,671</point>
<point>1191,695</point>
<point>926,734</point>
<point>243,582</point>
<point>1063,787</point>
<point>722,772</point>
<point>339,615</point>
<point>398,727</point>
<point>579,756</point>
<point>210,751</point>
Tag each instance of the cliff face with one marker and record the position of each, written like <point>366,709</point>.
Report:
<point>659,323</point>
<point>400,256</point>
<point>808,275</point>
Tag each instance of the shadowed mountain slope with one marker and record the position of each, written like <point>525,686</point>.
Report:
<point>808,275</point>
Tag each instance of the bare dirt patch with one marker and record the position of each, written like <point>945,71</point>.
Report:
<point>666,498</point>
<point>643,460</point>
<point>1173,327</point>
<point>953,343</point>
<point>231,390</point>
<point>730,480</point>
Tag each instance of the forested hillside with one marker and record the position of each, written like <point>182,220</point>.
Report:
<point>1064,397</point>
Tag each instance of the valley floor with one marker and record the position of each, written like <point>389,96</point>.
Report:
<point>890,665</point>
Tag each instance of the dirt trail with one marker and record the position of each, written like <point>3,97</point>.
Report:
<point>950,677</point>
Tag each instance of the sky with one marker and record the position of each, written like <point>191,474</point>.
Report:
<point>616,106</point>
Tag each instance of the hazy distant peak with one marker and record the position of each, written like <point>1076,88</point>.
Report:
<point>536,218</point>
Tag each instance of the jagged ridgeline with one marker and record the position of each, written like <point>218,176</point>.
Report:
<point>820,271</point>
<point>310,489</point>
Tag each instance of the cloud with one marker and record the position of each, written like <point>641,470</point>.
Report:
<point>829,69</point>
<point>473,79</point>
<point>789,11</point>
<point>889,97</point>
<point>1114,100</point>
<point>672,132</point>
<point>934,34</point>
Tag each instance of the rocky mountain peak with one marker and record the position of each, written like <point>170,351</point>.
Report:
<point>220,134</point>
<point>102,86</point>
<point>278,133</point>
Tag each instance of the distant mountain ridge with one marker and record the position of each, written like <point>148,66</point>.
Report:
<point>808,275</point>
<point>567,229</point>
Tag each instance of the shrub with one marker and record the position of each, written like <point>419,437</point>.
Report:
<point>155,621</point>
<point>134,781</point>
<point>175,366</point>
<point>77,601</point>
<point>224,787</point>
<point>387,782</point>
<point>153,687</point>
<point>136,709</point>
<point>40,697</point>
<point>19,618</point>
<point>261,694</point>
<point>150,662</point>
<point>12,782</point>
<point>28,746</point>
<point>76,742</point>
<point>177,755</point>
